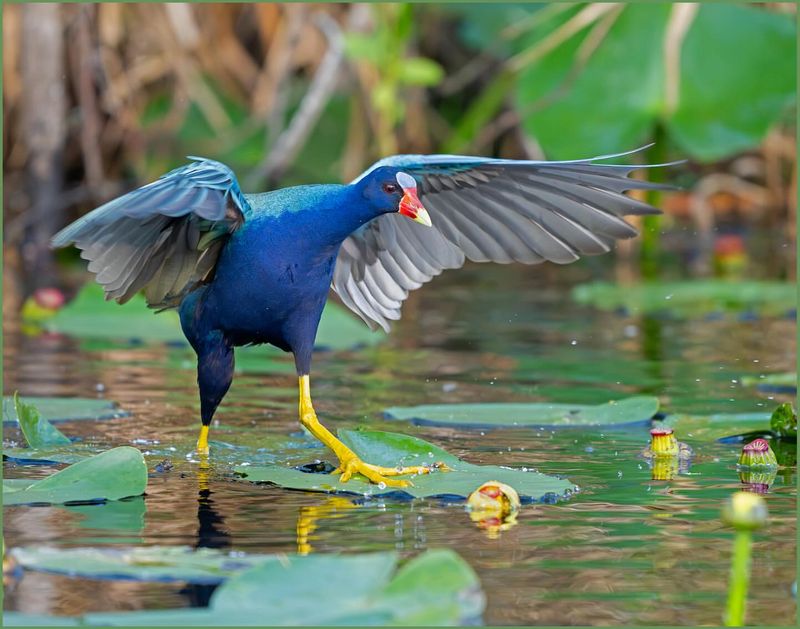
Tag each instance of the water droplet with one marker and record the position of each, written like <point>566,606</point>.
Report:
<point>668,297</point>
<point>381,485</point>
<point>588,449</point>
<point>573,342</point>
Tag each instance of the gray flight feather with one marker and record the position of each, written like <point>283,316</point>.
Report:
<point>164,237</point>
<point>485,210</point>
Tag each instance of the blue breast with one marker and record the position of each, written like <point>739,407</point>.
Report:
<point>274,274</point>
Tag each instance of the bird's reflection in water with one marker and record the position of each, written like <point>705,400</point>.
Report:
<point>308,520</point>
<point>211,533</point>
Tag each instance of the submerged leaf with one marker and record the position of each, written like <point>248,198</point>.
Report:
<point>536,415</point>
<point>117,473</point>
<point>393,449</point>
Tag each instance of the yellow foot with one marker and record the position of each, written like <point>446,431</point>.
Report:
<point>377,474</point>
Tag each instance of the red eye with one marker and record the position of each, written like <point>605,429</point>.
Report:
<point>389,188</point>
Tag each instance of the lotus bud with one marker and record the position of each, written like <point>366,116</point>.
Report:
<point>663,442</point>
<point>757,453</point>
<point>493,507</point>
<point>745,511</point>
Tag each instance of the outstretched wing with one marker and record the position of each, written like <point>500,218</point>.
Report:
<point>484,210</point>
<point>164,237</point>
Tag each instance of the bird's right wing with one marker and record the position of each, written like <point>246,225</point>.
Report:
<point>485,210</point>
<point>164,237</point>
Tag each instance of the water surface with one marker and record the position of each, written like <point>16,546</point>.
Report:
<point>625,550</point>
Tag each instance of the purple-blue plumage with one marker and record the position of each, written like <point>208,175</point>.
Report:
<point>257,268</point>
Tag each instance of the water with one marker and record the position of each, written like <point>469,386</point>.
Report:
<point>624,550</point>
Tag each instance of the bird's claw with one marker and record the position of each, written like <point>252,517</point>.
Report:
<point>380,475</point>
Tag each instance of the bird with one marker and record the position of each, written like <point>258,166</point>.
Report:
<point>244,269</point>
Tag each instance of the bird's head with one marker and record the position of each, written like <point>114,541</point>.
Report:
<point>392,190</point>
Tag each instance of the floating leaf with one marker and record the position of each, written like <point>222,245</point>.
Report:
<point>390,449</point>
<point>536,415</point>
<point>89,315</point>
<point>691,298</point>
<point>37,430</point>
<point>117,473</point>
<point>141,563</point>
<point>709,427</point>
<point>58,454</point>
<point>339,330</point>
<point>772,382</point>
<point>61,409</point>
<point>17,619</point>
<point>435,588</point>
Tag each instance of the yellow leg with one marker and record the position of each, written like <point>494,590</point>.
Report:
<point>202,440</point>
<point>349,463</point>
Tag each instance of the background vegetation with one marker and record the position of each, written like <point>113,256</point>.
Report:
<point>99,98</point>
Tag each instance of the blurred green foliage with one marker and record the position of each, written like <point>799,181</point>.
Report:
<point>737,75</point>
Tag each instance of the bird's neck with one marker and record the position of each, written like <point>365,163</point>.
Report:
<point>341,212</point>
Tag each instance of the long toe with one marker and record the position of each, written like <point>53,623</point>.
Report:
<point>347,468</point>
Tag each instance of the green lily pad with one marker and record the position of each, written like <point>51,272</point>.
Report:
<point>17,619</point>
<point>773,382</point>
<point>435,588</point>
<point>62,409</point>
<point>141,563</point>
<point>718,426</point>
<point>691,298</point>
<point>57,454</point>
<point>38,432</point>
<point>90,316</point>
<point>535,415</point>
<point>391,449</point>
<point>117,473</point>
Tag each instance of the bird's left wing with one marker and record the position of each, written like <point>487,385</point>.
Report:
<point>164,237</point>
<point>484,210</point>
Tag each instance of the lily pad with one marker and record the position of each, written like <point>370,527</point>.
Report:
<point>435,588</point>
<point>117,473</point>
<point>141,563</point>
<point>17,619</point>
<point>38,432</point>
<point>62,409</point>
<point>391,449</point>
<point>773,382</point>
<point>718,426</point>
<point>691,298</point>
<point>633,410</point>
<point>90,316</point>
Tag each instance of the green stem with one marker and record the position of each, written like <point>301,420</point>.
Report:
<point>740,577</point>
